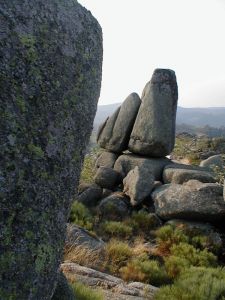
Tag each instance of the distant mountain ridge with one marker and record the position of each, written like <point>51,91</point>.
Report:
<point>212,116</point>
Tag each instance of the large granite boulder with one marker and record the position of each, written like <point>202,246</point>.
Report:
<point>114,208</point>
<point>50,77</point>
<point>90,195</point>
<point>106,177</point>
<point>106,159</point>
<point>125,163</point>
<point>138,184</point>
<point>153,133</point>
<point>114,133</point>
<point>191,201</point>
<point>178,175</point>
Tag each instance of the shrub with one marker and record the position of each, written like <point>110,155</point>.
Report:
<point>144,270</point>
<point>195,257</point>
<point>117,255</point>
<point>167,236</point>
<point>80,215</point>
<point>175,265</point>
<point>142,222</point>
<point>196,283</point>
<point>118,229</point>
<point>88,169</point>
<point>83,292</point>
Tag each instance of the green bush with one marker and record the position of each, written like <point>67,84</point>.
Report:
<point>80,215</point>
<point>83,292</point>
<point>196,283</point>
<point>167,236</point>
<point>88,169</point>
<point>142,222</point>
<point>116,229</point>
<point>144,270</point>
<point>195,257</point>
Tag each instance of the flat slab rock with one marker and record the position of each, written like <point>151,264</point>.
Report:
<point>125,163</point>
<point>173,174</point>
<point>113,287</point>
<point>191,201</point>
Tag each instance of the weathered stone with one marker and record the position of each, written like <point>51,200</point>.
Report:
<point>153,133</point>
<point>90,196</point>
<point>106,177</point>
<point>63,290</point>
<point>114,134</point>
<point>191,201</point>
<point>115,207</point>
<point>177,175</point>
<point>215,161</point>
<point>106,159</point>
<point>138,184</point>
<point>125,163</point>
<point>120,290</point>
<point>50,76</point>
<point>78,236</point>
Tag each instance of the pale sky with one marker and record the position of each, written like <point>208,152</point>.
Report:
<point>187,36</point>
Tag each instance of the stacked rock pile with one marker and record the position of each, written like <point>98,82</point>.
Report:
<point>133,170</point>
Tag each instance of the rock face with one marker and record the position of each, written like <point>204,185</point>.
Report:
<point>106,177</point>
<point>213,161</point>
<point>63,290</point>
<point>177,175</point>
<point>113,287</point>
<point>114,134</point>
<point>138,184</point>
<point>191,201</point>
<point>50,77</point>
<point>125,163</point>
<point>153,133</point>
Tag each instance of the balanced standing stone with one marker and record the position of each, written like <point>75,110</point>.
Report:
<point>114,133</point>
<point>50,77</point>
<point>153,133</point>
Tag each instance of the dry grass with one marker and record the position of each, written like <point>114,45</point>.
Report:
<point>84,256</point>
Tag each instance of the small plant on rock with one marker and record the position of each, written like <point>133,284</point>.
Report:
<point>116,229</point>
<point>80,215</point>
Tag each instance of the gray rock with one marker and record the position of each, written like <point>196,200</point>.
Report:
<point>138,184</point>
<point>106,193</point>
<point>90,196</point>
<point>117,288</point>
<point>125,163</point>
<point>213,161</point>
<point>114,208</point>
<point>78,236</point>
<point>106,177</point>
<point>51,58</point>
<point>63,290</point>
<point>153,133</point>
<point>191,201</point>
<point>177,175</point>
<point>106,159</point>
<point>114,134</point>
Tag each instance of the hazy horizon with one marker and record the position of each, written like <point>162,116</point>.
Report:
<point>186,36</point>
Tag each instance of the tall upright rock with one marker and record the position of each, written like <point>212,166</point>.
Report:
<point>50,77</point>
<point>114,133</point>
<point>153,133</point>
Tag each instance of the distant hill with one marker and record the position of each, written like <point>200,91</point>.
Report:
<point>199,117</point>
